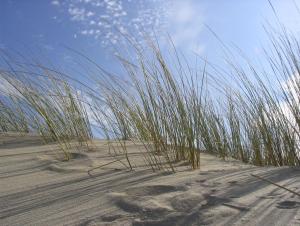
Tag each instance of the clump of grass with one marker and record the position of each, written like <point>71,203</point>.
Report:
<point>270,108</point>
<point>173,113</point>
<point>154,108</point>
<point>45,105</point>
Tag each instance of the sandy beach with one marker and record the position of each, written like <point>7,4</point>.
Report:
<point>38,189</point>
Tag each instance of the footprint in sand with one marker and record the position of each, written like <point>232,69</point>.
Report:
<point>79,162</point>
<point>201,181</point>
<point>136,199</point>
<point>186,201</point>
<point>233,182</point>
<point>288,205</point>
<point>111,218</point>
<point>153,190</point>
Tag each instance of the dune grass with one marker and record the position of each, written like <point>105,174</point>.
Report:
<point>43,104</point>
<point>175,111</point>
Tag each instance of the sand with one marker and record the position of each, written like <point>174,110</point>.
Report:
<point>38,189</point>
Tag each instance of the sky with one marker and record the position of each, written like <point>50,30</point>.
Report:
<point>45,30</point>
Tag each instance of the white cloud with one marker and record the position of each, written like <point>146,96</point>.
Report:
<point>55,2</point>
<point>84,32</point>
<point>186,25</point>
<point>291,87</point>
<point>89,14</point>
<point>77,14</point>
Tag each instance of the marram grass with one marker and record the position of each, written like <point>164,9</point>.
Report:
<point>48,107</point>
<point>174,111</point>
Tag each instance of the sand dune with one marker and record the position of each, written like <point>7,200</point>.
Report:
<point>38,189</point>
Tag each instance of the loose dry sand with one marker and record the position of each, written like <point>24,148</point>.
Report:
<point>38,189</point>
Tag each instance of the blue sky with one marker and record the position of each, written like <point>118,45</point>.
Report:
<point>42,29</point>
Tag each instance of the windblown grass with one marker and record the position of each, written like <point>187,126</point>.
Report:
<point>174,111</point>
<point>43,104</point>
<point>156,110</point>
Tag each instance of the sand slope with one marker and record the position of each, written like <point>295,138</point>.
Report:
<point>37,189</point>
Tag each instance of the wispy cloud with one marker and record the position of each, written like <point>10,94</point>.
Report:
<point>185,25</point>
<point>55,2</point>
<point>77,14</point>
<point>109,20</point>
